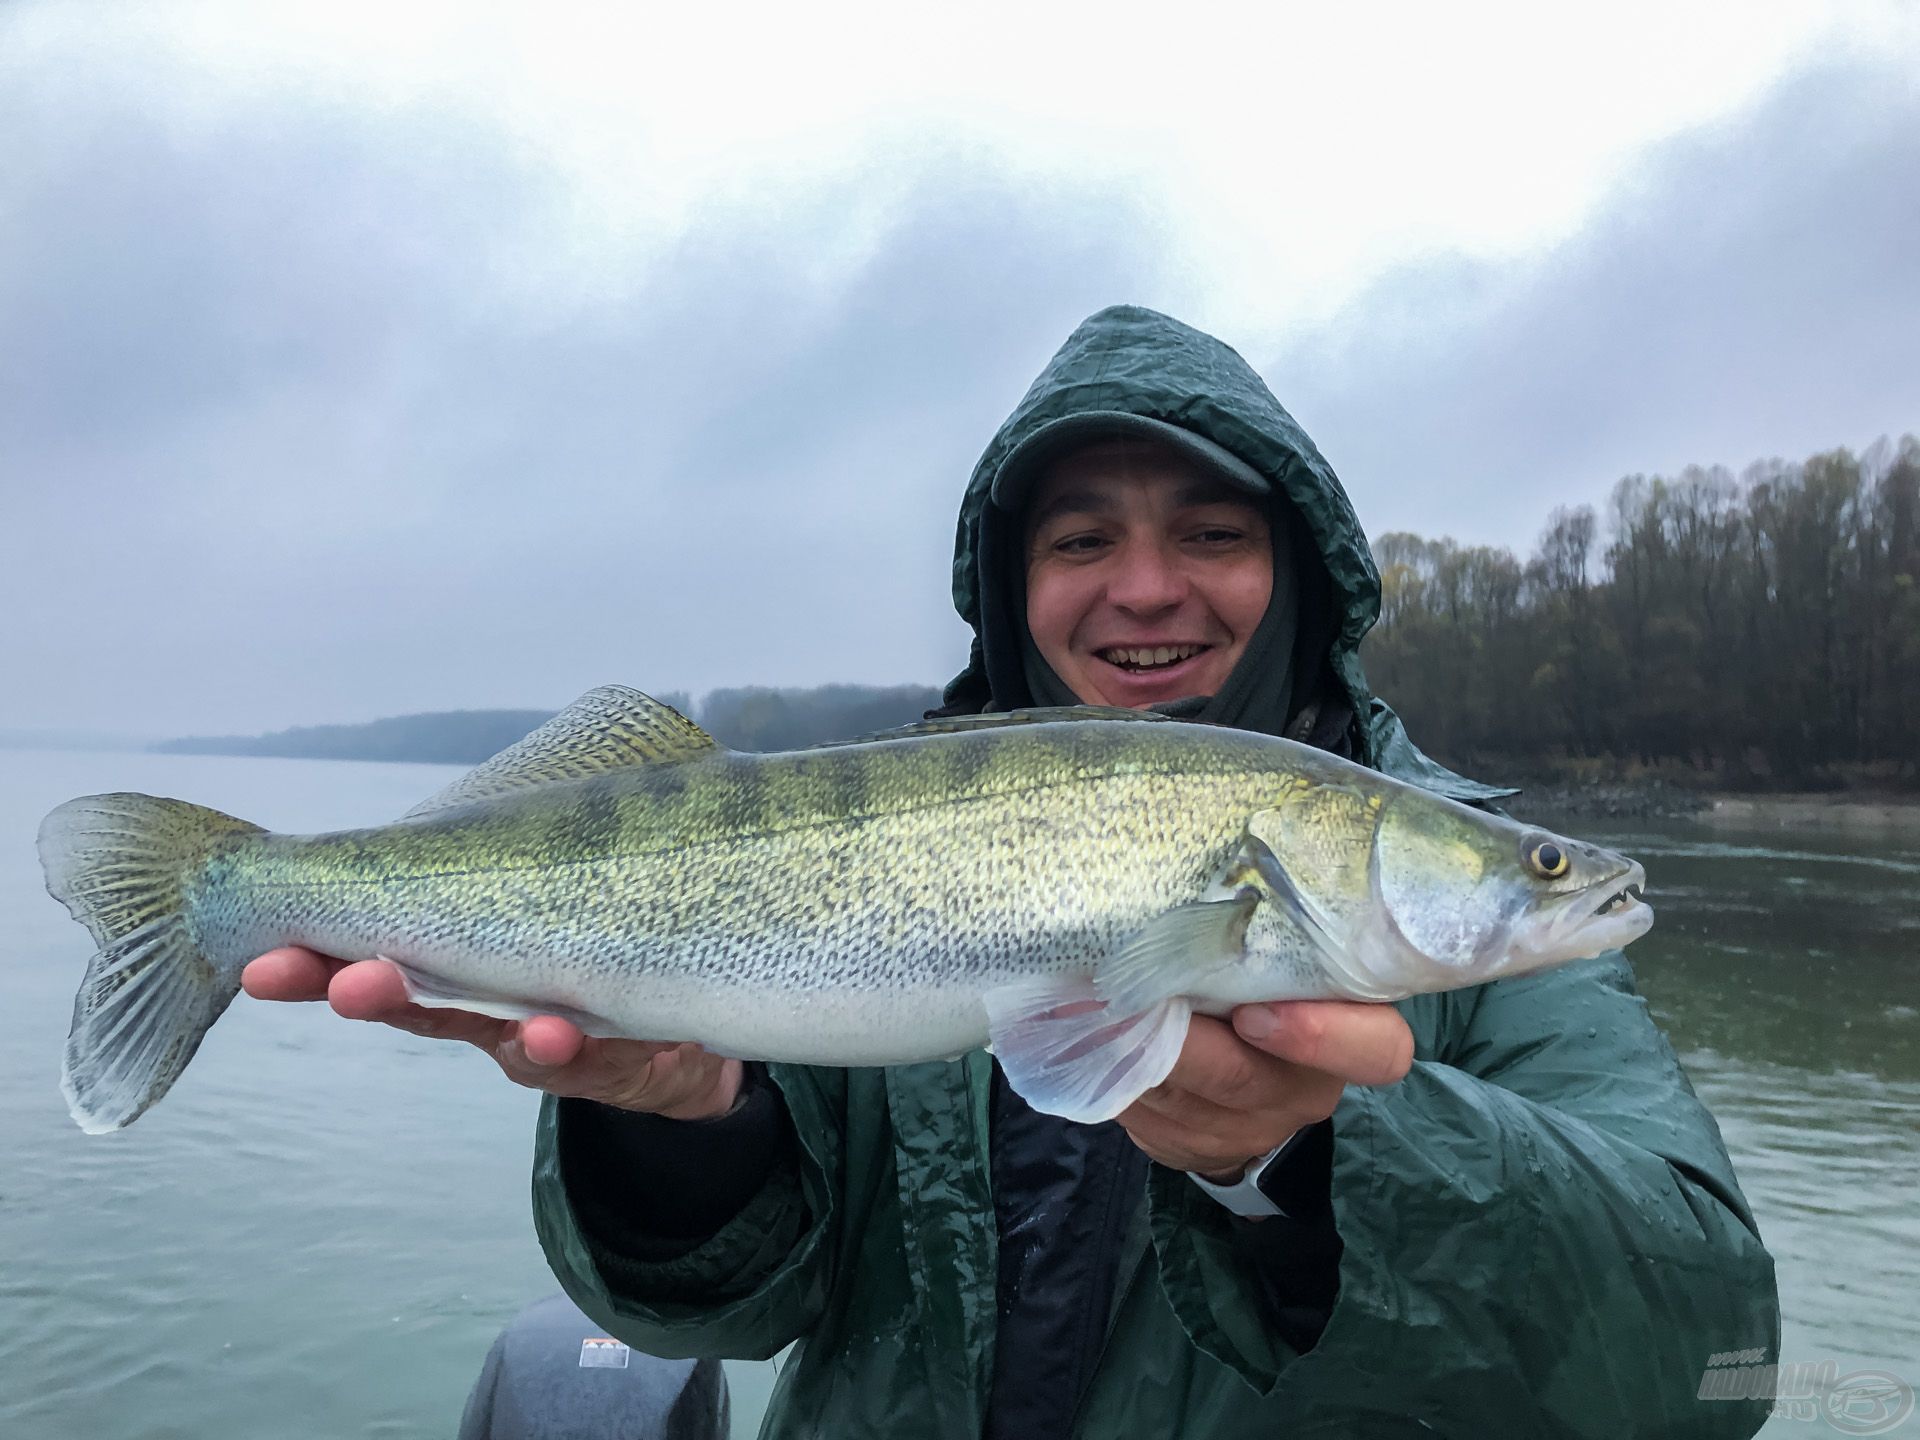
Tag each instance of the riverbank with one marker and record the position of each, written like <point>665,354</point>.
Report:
<point>1845,810</point>
<point>1860,812</point>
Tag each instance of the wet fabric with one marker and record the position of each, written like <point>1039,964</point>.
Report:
<point>1540,1230</point>
<point>1064,1198</point>
<point>700,1174</point>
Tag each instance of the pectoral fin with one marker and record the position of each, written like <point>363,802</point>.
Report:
<point>1174,949</point>
<point>1069,1052</point>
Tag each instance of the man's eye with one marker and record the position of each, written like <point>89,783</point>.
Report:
<point>1219,535</point>
<point>1078,544</point>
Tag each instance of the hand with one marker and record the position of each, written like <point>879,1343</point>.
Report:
<point>681,1082</point>
<point>1239,1091</point>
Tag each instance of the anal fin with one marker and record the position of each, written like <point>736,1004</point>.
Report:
<point>432,992</point>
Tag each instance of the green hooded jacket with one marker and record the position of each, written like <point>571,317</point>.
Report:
<point>1543,1234</point>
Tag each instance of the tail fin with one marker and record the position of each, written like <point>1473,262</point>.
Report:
<point>121,864</point>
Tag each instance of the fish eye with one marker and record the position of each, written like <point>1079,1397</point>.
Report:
<point>1546,859</point>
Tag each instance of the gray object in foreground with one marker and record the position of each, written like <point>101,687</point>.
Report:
<point>556,1375</point>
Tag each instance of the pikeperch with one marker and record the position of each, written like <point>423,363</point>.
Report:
<point>1070,885</point>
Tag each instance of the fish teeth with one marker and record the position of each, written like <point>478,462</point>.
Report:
<point>1620,898</point>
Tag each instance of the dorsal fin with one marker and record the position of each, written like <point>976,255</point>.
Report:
<point>610,728</point>
<point>1036,715</point>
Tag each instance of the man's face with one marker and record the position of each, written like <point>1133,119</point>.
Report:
<point>1146,577</point>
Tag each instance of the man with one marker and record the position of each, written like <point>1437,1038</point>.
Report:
<point>1498,1211</point>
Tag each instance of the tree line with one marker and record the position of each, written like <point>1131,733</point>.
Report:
<point>1764,627</point>
<point>1761,628</point>
<point>450,737</point>
<point>759,718</point>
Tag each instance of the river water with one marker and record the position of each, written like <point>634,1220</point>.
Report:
<point>320,1232</point>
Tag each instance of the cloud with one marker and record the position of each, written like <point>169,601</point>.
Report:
<point>307,428</point>
<point>319,410</point>
<point>1749,290</point>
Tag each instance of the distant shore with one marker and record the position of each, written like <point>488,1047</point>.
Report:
<point>1846,810</point>
<point>1645,798</point>
<point>1650,798</point>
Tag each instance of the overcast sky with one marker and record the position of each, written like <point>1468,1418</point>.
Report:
<point>360,361</point>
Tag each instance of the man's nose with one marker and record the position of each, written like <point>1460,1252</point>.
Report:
<point>1146,578</point>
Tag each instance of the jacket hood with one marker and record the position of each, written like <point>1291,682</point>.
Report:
<point>1135,361</point>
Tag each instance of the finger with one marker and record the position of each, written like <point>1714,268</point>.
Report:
<point>1206,1152</point>
<point>289,973</point>
<point>681,1082</point>
<point>1226,1097</point>
<point>1308,1096</point>
<point>637,1074</point>
<point>1229,1141</point>
<point>1224,1102</point>
<point>550,1042</point>
<point>509,1051</point>
<point>551,1054</point>
<point>1216,1065</point>
<point>375,990</point>
<point>692,1084</point>
<point>369,990</point>
<point>1363,1044</point>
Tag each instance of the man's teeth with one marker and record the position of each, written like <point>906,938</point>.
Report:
<point>1139,656</point>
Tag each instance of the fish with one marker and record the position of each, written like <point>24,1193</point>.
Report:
<point>1067,886</point>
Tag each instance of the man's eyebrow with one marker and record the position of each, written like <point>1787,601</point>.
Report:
<point>1086,501</point>
<point>1212,492</point>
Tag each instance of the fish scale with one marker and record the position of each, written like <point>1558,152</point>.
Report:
<point>768,898</point>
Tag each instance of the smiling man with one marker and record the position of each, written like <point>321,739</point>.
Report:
<point>1497,1211</point>
<point>1146,577</point>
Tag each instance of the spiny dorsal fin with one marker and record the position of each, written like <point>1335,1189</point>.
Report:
<point>610,728</point>
<point>1037,715</point>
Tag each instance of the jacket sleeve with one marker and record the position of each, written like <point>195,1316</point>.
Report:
<point>1542,1232</point>
<point>747,1291</point>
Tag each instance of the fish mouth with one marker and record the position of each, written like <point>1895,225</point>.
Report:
<point>1626,897</point>
<point>1579,925</point>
